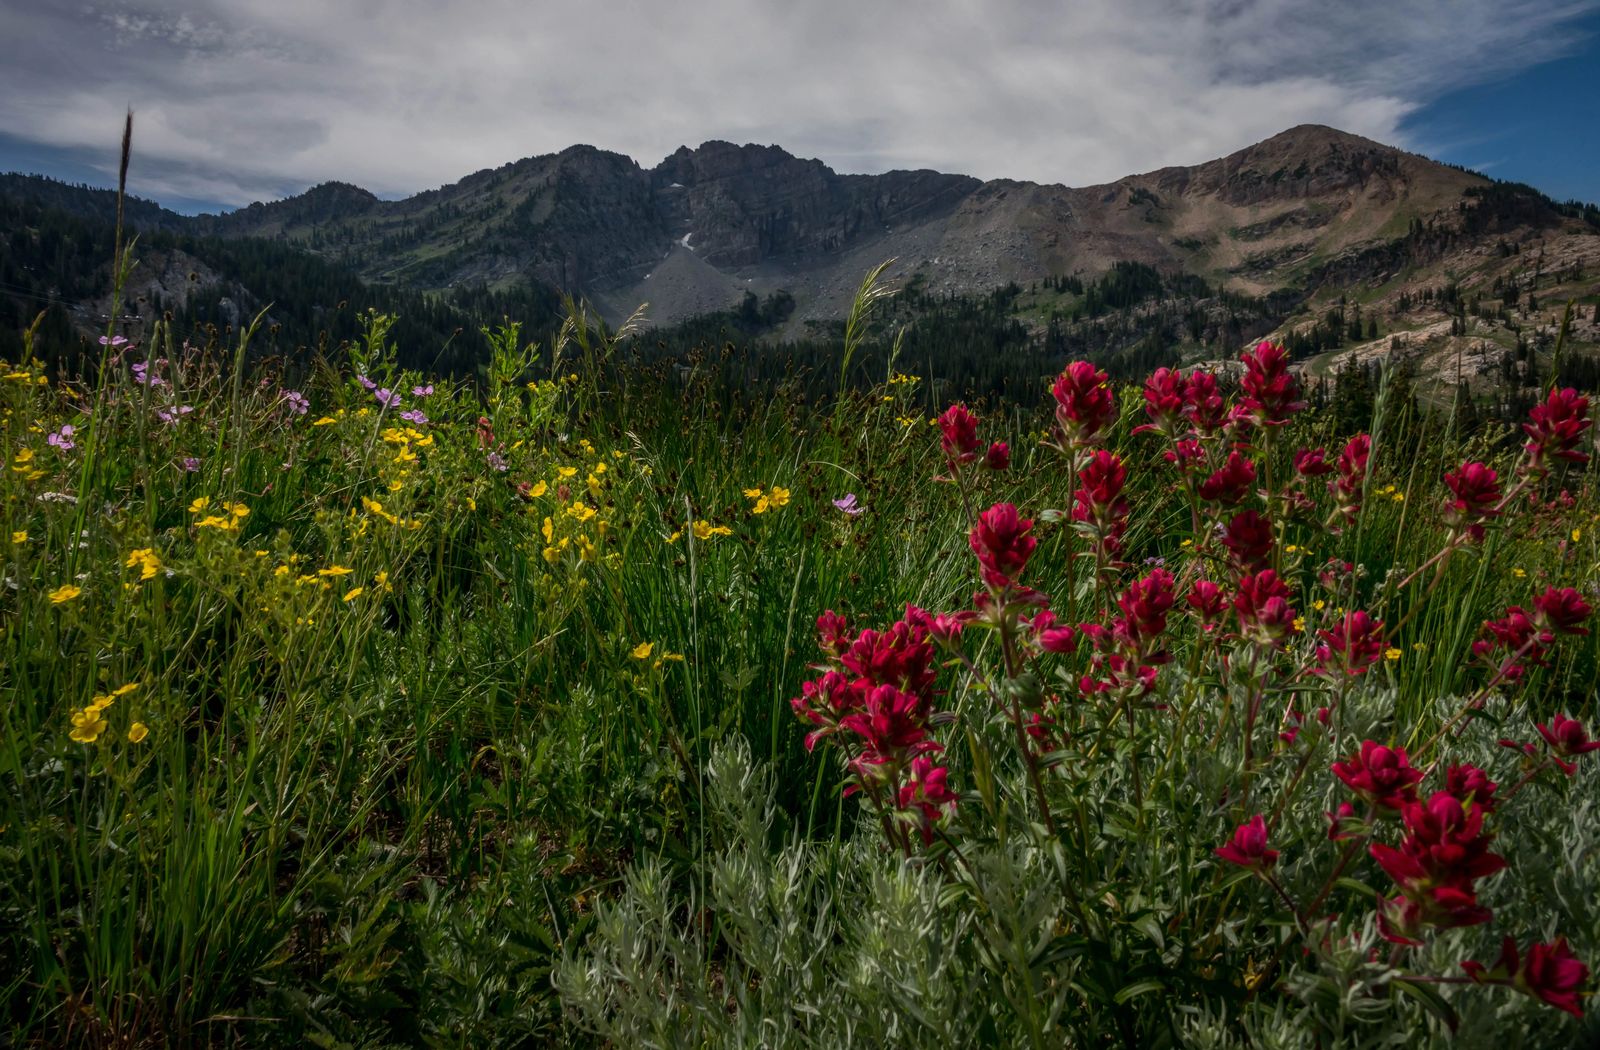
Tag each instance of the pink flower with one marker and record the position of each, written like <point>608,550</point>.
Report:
<point>1568,738</point>
<point>848,504</point>
<point>998,457</point>
<point>1262,605</point>
<point>1270,389</point>
<point>1380,775</point>
<point>833,633</point>
<point>958,429</point>
<point>1203,405</point>
<point>1343,823</point>
<point>1249,846</point>
<point>1554,428</point>
<point>1549,973</point>
<point>1085,403</point>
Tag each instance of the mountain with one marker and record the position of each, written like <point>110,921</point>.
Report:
<point>1312,235</point>
<point>697,230</point>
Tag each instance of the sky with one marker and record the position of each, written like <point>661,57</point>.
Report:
<point>242,100</point>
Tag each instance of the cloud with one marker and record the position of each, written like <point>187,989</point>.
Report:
<point>238,100</point>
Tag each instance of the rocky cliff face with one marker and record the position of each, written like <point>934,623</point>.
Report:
<point>708,224</point>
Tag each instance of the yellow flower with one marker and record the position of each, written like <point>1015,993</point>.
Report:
<point>1420,646</point>
<point>642,650</point>
<point>23,457</point>
<point>65,593</point>
<point>335,570</point>
<point>382,580</point>
<point>237,510</point>
<point>539,489</point>
<point>752,493</point>
<point>1319,605</point>
<point>353,593</point>
<point>146,561</point>
<point>704,530</point>
<point>19,537</point>
<point>581,511</point>
<point>1518,573</point>
<point>324,421</point>
<point>777,497</point>
<point>548,529</point>
<point>1299,625</point>
<point>1577,534</point>
<point>124,690</point>
<point>566,472</point>
<point>137,732</point>
<point>200,504</point>
<point>675,537</point>
<point>1391,654</point>
<point>87,725</point>
<point>216,521</point>
<point>595,491</point>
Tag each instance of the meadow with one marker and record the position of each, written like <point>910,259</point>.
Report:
<point>348,706</point>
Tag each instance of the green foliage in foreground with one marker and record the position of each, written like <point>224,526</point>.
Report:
<point>425,740</point>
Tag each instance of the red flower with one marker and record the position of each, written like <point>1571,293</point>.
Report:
<point>1343,823</point>
<point>1358,641</point>
<point>1469,784</point>
<point>1002,543</point>
<point>1550,973</point>
<point>1311,463</point>
<point>1249,846</point>
<point>1085,403</point>
<point>1381,775</point>
<point>833,633</point>
<point>1248,538</point>
<point>1203,405</point>
<point>1144,607</point>
<point>1567,738</point>
<point>1163,401</point>
<point>892,724</point>
<point>1053,637</point>
<point>1230,483</point>
<point>1352,479</point>
<point>1208,602</point>
<point>1561,611</point>
<point>927,795</point>
<point>1098,504</point>
<point>902,656</point>
<point>958,429</point>
<point>1262,604</point>
<point>998,457</point>
<point>1476,489</point>
<point>1555,427</point>
<point>1444,852</point>
<point>823,702</point>
<point>1270,389</point>
<point>485,432</point>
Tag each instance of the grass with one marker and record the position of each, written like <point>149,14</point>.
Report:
<point>410,716</point>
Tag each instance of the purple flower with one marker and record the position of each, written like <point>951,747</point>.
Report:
<point>62,439</point>
<point>415,416</point>
<point>498,462</point>
<point>847,503</point>
<point>297,402</point>
<point>190,464</point>
<point>386,397</point>
<point>422,391</point>
<point>142,376</point>
<point>366,383</point>
<point>115,342</point>
<point>171,416</point>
